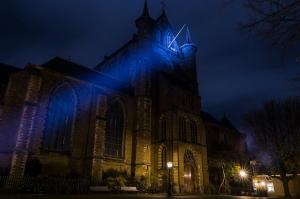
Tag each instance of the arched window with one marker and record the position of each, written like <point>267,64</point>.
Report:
<point>188,157</point>
<point>193,132</point>
<point>163,158</point>
<point>171,43</point>
<point>114,131</point>
<point>163,129</point>
<point>182,128</point>
<point>60,119</point>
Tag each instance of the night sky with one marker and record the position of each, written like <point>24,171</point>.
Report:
<point>236,70</point>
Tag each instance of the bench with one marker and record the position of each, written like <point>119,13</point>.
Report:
<point>99,189</point>
<point>129,189</point>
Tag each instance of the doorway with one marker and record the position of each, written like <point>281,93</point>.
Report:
<point>190,172</point>
<point>189,179</point>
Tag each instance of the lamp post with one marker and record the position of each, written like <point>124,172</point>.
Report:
<point>169,165</point>
<point>244,175</point>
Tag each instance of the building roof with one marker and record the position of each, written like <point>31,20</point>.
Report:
<point>208,118</point>
<point>162,19</point>
<point>5,71</point>
<point>115,53</point>
<point>225,122</point>
<point>80,72</point>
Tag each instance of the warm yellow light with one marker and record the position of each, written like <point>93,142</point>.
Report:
<point>262,183</point>
<point>169,165</point>
<point>243,173</point>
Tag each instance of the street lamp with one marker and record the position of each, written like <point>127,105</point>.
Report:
<point>169,165</point>
<point>243,174</point>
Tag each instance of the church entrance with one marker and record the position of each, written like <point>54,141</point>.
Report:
<point>189,176</point>
<point>189,173</point>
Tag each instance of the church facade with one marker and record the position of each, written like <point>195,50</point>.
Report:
<point>134,112</point>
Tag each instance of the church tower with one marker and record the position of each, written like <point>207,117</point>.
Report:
<point>144,23</point>
<point>167,109</point>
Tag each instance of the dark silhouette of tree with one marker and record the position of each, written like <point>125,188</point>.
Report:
<point>275,128</point>
<point>277,20</point>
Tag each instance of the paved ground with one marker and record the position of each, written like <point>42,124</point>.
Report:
<point>118,196</point>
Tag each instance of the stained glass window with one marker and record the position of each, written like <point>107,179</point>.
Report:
<point>114,131</point>
<point>60,119</point>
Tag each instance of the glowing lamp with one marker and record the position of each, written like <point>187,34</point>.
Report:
<point>262,183</point>
<point>243,174</point>
<point>169,165</point>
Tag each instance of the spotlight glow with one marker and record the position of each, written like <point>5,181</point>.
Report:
<point>243,174</point>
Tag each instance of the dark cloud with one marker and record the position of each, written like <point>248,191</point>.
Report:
<point>236,70</point>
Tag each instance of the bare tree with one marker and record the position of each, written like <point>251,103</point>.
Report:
<point>277,20</point>
<point>275,129</point>
<point>229,165</point>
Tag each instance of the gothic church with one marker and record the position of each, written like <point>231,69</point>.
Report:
<point>135,111</point>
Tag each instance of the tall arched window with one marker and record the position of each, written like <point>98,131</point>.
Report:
<point>182,128</point>
<point>163,158</point>
<point>163,129</point>
<point>188,157</point>
<point>171,43</point>
<point>114,131</point>
<point>193,132</point>
<point>60,119</point>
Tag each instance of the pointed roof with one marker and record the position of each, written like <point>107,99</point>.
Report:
<point>146,10</point>
<point>162,18</point>
<point>225,122</point>
<point>71,69</point>
<point>163,6</point>
<point>208,118</point>
<point>188,38</point>
<point>145,20</point>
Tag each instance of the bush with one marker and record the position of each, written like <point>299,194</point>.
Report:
<point>210,189</point>
<point>141,184</point>
<point>115,179</point>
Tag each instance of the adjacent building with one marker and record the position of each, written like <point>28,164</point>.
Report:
<point>227,152</point>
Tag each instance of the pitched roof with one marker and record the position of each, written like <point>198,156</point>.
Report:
<point>225,122</point>
<point>115,53</point>
<point>146,10</point>
<point>162,19</point>
<point>5,71</point>
<point>209,118</point>
<point>80,72</point>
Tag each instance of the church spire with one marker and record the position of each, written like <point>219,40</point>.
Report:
<point>144,23</point>
<point>188,38</point>
<point>163,8</point>
<point>146,10</point>
<point>188,48</point>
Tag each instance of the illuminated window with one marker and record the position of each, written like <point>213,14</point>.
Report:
<point>114,131</point>
<point>193,132</point>
<point>188,157</point>
<point>170,43</point>
<point>270,187</point>
<point>60,119</point>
